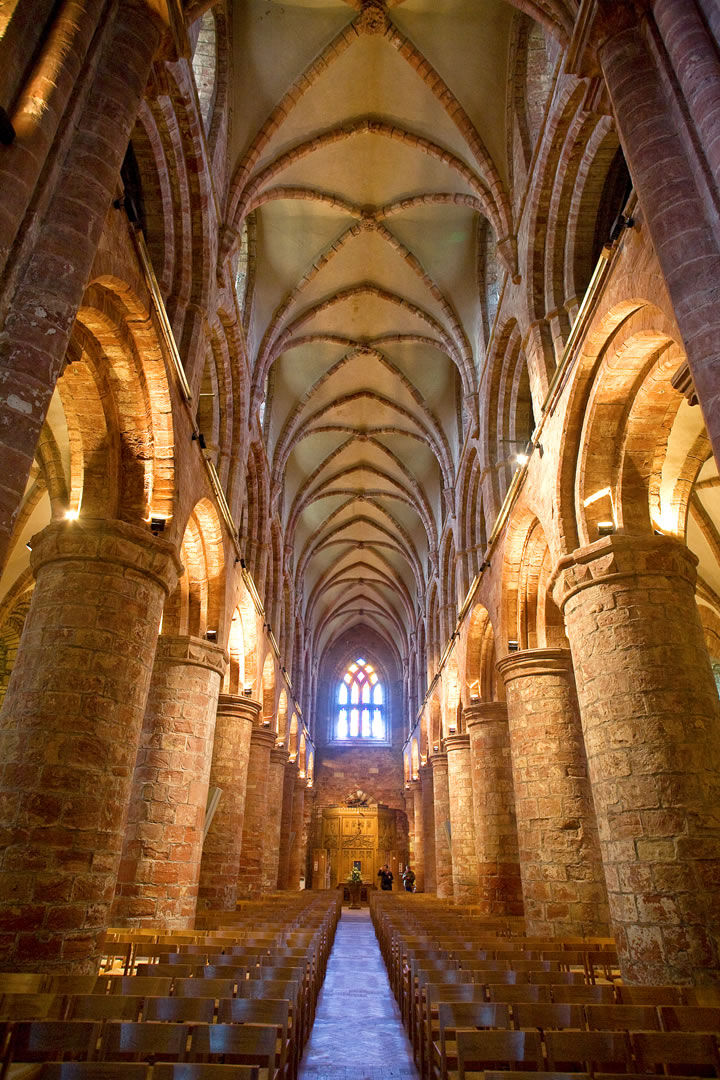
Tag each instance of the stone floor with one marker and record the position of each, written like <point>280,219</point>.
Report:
<point>358,1033</point>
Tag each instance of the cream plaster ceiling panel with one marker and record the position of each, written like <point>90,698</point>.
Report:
<point>369,141</point>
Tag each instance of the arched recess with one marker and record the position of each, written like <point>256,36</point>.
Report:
<point>268,693</point>
<point>531,618</point>
<point>302,755</point>
<point>116,400</point>
<point>628,413</point>
<point>203,35</point>
<point>197,604</point>
<point>451,687</point>
<point>293,737</point>
<point>531,73</point>
<point>234,681</point>
<point>414,760</point>
<point>282,711</point>
<point>510,412</point>
<point>435,724</point>
<point>481,680</point>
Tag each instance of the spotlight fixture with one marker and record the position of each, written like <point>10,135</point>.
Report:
<point>157,525</point>
<point>247,691</point>
<point>513,646</point>
<point>266,723</point>
<point>72,515</point>
<point>452,729</point>
<point>211,635</point>
<point>28,545</point>
<point>522,459</point>
<point>197,436</point>
<point>436,749</point>
<point>605,528</point>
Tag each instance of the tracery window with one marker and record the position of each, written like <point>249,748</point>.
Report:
<point>360,703</point>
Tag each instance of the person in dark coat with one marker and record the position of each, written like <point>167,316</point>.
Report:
<point>386,878</point>
<point>408,877</point>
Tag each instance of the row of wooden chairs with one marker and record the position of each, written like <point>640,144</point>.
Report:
<point>584,1052</point>
<point>534,990</point>
<point>251,1008</point>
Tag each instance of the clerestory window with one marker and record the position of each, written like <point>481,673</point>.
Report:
<point>360,703</point>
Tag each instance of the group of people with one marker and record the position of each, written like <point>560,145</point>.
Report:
<point>386,878</point>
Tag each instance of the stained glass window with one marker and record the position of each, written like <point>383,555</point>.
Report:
<point>361,689</point>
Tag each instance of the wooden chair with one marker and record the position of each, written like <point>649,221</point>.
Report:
<point>521,992</point>
<point>689,1018</point>
<point>481,1050</point>
<point>105,1007</point>
<point>622,1018</point>
<point>238,1044</point>
<point>22,982</point>
<point>430,1029</point>
<point>136,985</point>
<point>677,1053</point>
<point>143,1041</point>
<point>582,995</point>
<point>577,1051</point>
<point>91,1070</point>
<point>209,988</point>
<point>279,990</point>
<point>462,1014</point>
<point>545,1016</point>
<point>48,1040</point>
<point>649,995</point>
<point>167,971</point>
<point>75,984</point>
<point>32,1007</point>
<point>180,1010</point>
<point>265,1011</point>
<point>196,1070</point>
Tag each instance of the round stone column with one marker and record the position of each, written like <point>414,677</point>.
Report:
<point>290,773</point>
<point>250,874</point>
<point>651,720</point>
<point>273,818</point>
<point>409,800</point>
<point>496,842</point>
<point>428,826</point>
<point>295,867</point>
<point>466,888</point>
<point>560,864</point>
<point>443,856</point>
<point>228,772</point>
<point>160,865</point>
<point>69,731</point>
<point>419,835</point>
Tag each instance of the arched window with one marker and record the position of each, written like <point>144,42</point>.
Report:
<point>360,703</point>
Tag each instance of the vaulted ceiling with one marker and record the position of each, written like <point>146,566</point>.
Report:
<point>370,150</point>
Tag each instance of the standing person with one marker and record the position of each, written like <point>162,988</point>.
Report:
<point>408,877</point>
<point>386,878</point>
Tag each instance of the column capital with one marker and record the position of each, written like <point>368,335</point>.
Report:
<point>262,737</point>
<point>597,22</point>
<point>244,708</point>
<point>518,665</point>
<point>484,712</point>
<point>622,556</point>
<point>193,651</point>
<point>105,540</point>
<point>438,762</point>
<point>279,756</point>
<point>457,742</point>
<point>301,782</point>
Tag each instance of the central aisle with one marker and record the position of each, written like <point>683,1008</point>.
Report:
<point>358,1033</point>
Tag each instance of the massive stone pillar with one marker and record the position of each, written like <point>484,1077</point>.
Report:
<point>560,863</point>
<point>419,831</point>
<point>290,774</point>
<point>466,889</point>
<point>160,865</point>
<point>651,720</point>
<point>69,731</point>
<point>669,178</point>
<point>295,864</point>
<point>231,753</point>
<point>409,800</point>
<point>273,818</point>
<point>428,826</point>
<point>441,798</point>
<point>496,841</point>
<point>43,293</point>
<point>250,874</point>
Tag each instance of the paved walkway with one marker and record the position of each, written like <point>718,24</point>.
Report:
<point>358,1033</point>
